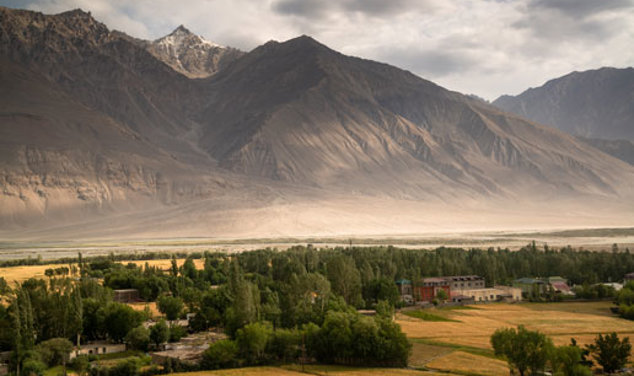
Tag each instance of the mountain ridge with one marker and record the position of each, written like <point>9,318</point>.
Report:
<point>595,103</point>
<point>287,126</point>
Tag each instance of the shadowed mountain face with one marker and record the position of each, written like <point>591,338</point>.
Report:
<point>96,125</point>
<point>594,104</point>
<point>298,111</point>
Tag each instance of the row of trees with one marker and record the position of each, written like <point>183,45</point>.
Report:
<point>530,352</point>
<point>345,337</point>
<point>625,301</point>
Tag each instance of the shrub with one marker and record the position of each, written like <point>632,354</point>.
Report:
<point>138,338</point>
<point>221,354</point>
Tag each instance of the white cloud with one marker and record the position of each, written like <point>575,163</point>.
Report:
<point>485,47</point>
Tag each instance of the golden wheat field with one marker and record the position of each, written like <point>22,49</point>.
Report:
<point>561,321</point>
<point>463,362</point>
<point>22,273</point>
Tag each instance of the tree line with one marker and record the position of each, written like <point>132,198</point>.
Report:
<point>298,304</point>
<point>532,352</point>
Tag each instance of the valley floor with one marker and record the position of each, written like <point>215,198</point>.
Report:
<point>597,239</point>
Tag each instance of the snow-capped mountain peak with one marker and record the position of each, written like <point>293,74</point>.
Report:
<point>181,38</point>
<point>191,54</point>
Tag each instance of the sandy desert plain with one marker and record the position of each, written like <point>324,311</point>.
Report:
<point>596,239</point>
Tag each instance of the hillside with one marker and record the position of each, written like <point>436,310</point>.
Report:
<point>298,111</point>
<point>594,104</point>
<point>102,138</point>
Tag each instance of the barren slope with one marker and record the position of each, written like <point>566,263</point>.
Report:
<point>594,104</point>
<point>298,111</point>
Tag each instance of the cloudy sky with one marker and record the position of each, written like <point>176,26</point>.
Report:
<point>483,47</point>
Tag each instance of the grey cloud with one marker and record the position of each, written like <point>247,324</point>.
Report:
<point>317,9</point>
<point>572,20</point>
<point>580,8</point>
<point>314,9</point>
<point>429,64</point>
<point>380,7</point>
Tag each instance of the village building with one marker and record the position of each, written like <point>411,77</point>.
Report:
<point>492,294</point>
<point>615,285</point>
<point>429,288</point>
<point>126,296</point>
<point>98,348</point>
<point>405,290</point>
<point>188,350</point>
<point>530,285</point>
<point>465,282</point>
<point>465,289</point>
<point>628,278</point>
<point>560,285</point>
<point>542,286</point>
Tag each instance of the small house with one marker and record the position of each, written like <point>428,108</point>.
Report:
<point>405,290</point>
<point>98,348</point>
<point>126,296</point>
<point>560,285</point>
<point>529,285</point>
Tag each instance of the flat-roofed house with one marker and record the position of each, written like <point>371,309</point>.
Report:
<point>429,287</point>
<point>126,296</point>
<point>98,348</point>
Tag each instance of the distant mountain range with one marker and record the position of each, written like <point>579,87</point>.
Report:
<point>104,134</point>
<point>597,105</point>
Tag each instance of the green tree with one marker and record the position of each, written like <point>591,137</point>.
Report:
<point>384,309</point>
<point>252,340</point>
<point>4,287</point>
<point>159,333</point>
<point>381,289</point>
<point>285,345</point>
<point>567,359</point>
<point>138,338</point>
<point>176,333</point>
<point>610,352</point>
<point>221,354</point>
<point>33,367</point>
<point>245,307</point>
<point>129,367</point>
<point>345,279</point>
<point>119,319</point>
<point>170,306</point>
<point>524,350</point>
<point>189,269</point>
<point>55,351</point>
<point>80,364</point>
<point>442,295</point>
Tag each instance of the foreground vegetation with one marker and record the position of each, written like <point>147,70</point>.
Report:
<point>294,306</point>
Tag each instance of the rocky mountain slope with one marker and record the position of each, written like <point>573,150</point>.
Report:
<point>621,149</point>
<point>298,111</point>
<point>595,104</point>
<point>101,134</point>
